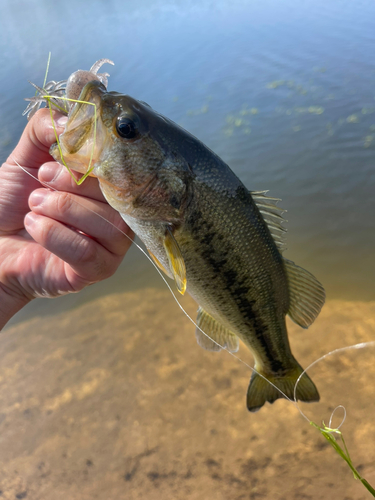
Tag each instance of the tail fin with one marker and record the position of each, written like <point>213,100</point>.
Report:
<point>260,390</point>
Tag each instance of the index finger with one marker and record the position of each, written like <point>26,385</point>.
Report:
<point>56,176</point>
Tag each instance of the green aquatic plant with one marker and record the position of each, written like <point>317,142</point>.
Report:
<point>275,84</point>
<point>290,84</point>
<point>328,433</point>
<point>238,121</point>
<point>352,119</point>
<point>316,110</point>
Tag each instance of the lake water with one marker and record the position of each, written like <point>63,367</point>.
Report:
<point>283,92</point>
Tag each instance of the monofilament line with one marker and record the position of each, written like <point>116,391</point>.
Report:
<point>327,432</point>
<point>166,283</point>
<point>294,402</point>
<point>331,353</point>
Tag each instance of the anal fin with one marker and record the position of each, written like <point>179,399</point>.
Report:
<point>215,336</point>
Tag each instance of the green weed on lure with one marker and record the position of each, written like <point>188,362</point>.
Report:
<point>63,95</point>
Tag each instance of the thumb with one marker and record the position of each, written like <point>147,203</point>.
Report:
<point>38,136</point>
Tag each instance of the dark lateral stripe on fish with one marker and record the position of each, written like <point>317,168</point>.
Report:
<point>237,287</point>
<point>255,324</point>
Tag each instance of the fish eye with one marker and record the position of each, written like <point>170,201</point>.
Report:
<point>126,128</point>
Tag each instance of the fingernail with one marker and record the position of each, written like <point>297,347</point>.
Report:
<point>48,172</point>
<point>30,219</point>
<point>37,197</point>
<point>61,122</point>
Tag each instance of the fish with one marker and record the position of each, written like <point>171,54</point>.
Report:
<point>219,241</point>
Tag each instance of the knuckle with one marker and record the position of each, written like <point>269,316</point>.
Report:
<point>91,258</point>
<point>85,251</point>
<point>63,203</point>
<point>48,233</point>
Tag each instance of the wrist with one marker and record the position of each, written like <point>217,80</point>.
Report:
<point>10,304</point>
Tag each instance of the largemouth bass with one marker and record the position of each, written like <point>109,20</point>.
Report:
<point>202,227</point>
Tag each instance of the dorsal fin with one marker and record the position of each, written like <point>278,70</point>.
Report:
<point>215,331</point>
<point>272,215</point>
<point>306,295</point>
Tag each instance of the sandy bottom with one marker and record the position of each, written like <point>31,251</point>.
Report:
<point>115,400</point>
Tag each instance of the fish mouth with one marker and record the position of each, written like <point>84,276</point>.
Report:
<point>83,139</point>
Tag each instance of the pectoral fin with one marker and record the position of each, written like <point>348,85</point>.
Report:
<point>176,261</point>
<point>217,337</point>
<point>306,295</point>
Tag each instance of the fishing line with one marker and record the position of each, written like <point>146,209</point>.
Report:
<point>165,281</point>
<point>294,402</point>
<point>335,351</point>
<point>332,415</point>
<point>327,432</point>
<point>78,182</point>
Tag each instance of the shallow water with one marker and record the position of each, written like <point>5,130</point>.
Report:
<point>283,92</point>
<point>120,403</point>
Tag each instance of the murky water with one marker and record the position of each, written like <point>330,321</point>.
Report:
<point>284,93</point>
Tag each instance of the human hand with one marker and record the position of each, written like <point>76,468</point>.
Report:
<point>51,242</point>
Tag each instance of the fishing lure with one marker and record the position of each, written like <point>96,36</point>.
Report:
<point>62,96</point>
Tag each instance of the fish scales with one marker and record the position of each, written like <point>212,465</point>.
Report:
<point>203,228</point>
<point>225,270</point>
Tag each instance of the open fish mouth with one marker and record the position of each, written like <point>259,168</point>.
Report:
<point>82,142</point>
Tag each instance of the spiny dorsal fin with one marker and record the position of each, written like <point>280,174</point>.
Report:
<point>176,261</point>
<point>216,332</point>
<point>306,295</point>
<point>272,215</point>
